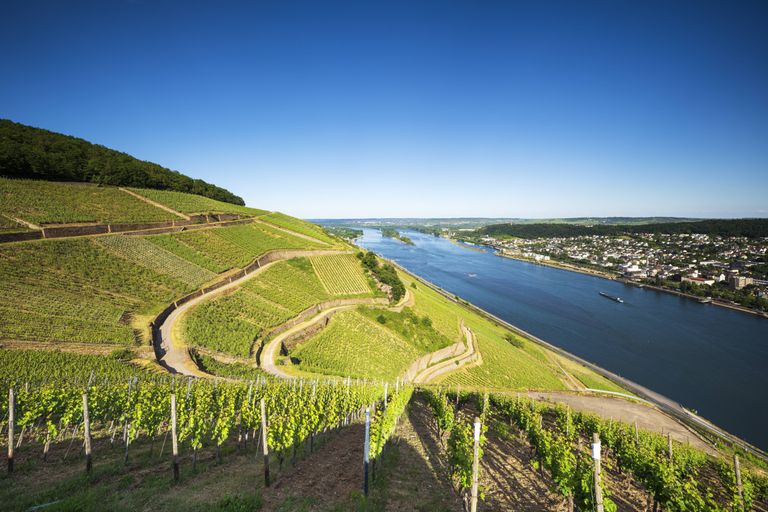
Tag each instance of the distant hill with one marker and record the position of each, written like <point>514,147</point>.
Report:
<point>751,228</point>
<point>463,223</point>
<point>34,153</point>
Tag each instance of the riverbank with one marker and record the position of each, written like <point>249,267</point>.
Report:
<point>674,409</point>
<point>605,275</point>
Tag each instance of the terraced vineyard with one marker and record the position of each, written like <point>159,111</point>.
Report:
<point>151,256</point>
<point>190,203</point>
<point>74,290</point>
<point>8,225</point>
<point>341,274</point>
<point>230,323</point>
<point>229,247</point>
<point>354,345</point>
<point>44,202</point>
<point>297,225</point>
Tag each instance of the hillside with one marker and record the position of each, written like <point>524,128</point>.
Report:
<point>279,310</point>
<point>34,153</point>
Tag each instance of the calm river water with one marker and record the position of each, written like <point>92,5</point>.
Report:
<point>706,357</point>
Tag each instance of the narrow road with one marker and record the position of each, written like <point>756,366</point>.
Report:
<point>470,355</point>
<point>175,354</point>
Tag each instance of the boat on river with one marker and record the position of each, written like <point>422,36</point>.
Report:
<point>617,299</point>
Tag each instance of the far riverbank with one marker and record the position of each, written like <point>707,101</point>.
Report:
<point>605,275</point>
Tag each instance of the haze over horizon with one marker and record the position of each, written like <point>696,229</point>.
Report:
<point>441,109</point>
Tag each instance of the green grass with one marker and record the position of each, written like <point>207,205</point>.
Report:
<point>416,330</point>
<point>230,323</point>
<point>354,345</point>
<point>75,290</point>
<point>504,364</point>
<point>44,202</point>
<point>341,274</point>
<point>191,203</point>
<point>587,377</point>
<point>146,254</point>
<point>298,225</point>
<point>7,225</point>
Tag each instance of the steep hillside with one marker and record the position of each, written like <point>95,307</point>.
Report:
<point>28,152</point>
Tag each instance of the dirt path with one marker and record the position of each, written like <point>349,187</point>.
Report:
<point>154,203</point>
<point>647,417</point>
<point>469,356</point>
<point>175,355</point>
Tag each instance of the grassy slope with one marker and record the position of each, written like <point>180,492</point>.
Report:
<point>504,365</point>
<point>298,225</point>
<point>190,203</point>
<point>44,202</point>
<point>354,345</point>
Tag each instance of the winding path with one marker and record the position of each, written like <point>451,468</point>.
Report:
<point>173,353</point>
<point>470,355</point>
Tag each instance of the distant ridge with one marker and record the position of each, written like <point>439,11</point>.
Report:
<point>35,153</point>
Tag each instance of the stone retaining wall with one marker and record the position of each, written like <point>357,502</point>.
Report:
<point>432,358</point>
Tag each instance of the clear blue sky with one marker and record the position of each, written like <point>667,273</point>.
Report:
<point>474,108</point>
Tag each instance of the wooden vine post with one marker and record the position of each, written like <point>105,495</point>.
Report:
<point>174,440</point>
<point>596,458</point>
<point>669,445</point>
<point>264,442</point>
<point>366,449</point>
<point>737,470</point>
<point>11,426</point>
<point>87,434</point>
<point>475,466</point>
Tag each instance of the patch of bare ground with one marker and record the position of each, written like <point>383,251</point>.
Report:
<point>412,474</point>
<point>325,479</point>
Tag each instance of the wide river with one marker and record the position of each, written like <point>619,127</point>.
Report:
<point>708,358</point>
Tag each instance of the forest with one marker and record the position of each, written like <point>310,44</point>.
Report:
<point>34,153</point>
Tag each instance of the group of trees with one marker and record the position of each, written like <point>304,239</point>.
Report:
<point>34,153</point>
<point>385,274</point>
<point>750,228</point>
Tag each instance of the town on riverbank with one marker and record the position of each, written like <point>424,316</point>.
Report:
<point>717,267</point>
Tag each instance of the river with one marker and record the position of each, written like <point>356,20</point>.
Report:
<point>708,358</point>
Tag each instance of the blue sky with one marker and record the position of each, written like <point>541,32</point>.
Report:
<point>359,109</point>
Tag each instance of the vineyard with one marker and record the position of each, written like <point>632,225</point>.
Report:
<point>230,323</point>
<point>43,365</point>
<point>141,251</point>
<point>44,202</point>
<point>280,420</point>
<point>74,290</point>
<point>341,274</point>
<point>297,225</point>
<point>352,344</point>
<point>639,470</point>
<point>190,203</point>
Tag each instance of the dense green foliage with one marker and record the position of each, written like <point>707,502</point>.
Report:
<point>385,274</point>
<point>418,331</point>
<point>45,202</point>
<point>208,412</point>
<point>341,274</point>
<point>344,232</point>
<point>354,345</point>
<point>190,203</point>
<point>27,152</point>
<point>385,418</point>
<point>751,228</point>
<point>229,370</point>
<point>395,234</point>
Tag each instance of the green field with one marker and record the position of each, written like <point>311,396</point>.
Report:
<point>341,274</point>
<point>354,345</point>
<point>44,202</point>
<point>190,203</point>
<point>221,249</point>
<point>75,290</point>
<point>231,322</point>
<point>227,370</point>
<point>8,225</point>
<point>298,225</point>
